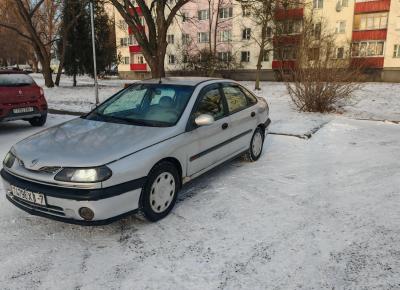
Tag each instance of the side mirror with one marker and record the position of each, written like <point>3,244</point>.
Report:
<point>204,120</point>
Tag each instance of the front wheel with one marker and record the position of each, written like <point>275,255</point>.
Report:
<point>256,145</point>
<point>159,194</point>
<point>38,121</point>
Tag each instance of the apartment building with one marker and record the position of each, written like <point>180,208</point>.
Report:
<point>367,29</point>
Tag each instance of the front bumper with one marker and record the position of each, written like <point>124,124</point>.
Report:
<point>63,204</point>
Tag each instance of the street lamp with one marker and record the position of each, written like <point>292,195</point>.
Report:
<point>96,85</point>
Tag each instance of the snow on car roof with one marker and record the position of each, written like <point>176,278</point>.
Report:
<point>188,81</point>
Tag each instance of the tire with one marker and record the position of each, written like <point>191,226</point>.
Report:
<point>256,145</point>
<point>159,194</point>
<point>38,121</point>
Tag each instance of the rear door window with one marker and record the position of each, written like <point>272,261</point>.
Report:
<point>235,98</point>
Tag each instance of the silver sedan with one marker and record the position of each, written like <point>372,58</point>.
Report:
<point>135,150</point>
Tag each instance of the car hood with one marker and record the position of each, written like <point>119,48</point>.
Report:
<point>86,143</point>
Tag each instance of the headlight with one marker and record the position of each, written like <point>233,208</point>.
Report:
<point>84,174</point>
<point>9,160</point>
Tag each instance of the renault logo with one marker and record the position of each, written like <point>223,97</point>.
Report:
<point>20,92</point>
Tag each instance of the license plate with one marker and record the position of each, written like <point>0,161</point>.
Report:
<point>23,110</point>
<point>33,197</point>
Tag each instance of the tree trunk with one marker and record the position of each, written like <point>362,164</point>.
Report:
<point>47,74</point>
<point>261,55</point>
<point>74,83</point>
<point>62,60</point>
<point>258,71</point>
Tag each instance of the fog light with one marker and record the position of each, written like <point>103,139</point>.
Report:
<point>86,213</point>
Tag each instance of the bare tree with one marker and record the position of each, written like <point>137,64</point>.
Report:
<point>263,15</point>
<point>158,16</point>
<point>324,75</point>
<point>37,22</point>
<point>214,55</point>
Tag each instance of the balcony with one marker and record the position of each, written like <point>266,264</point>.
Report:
<point>286,40</point>
<point>135,48</point>
<point>140,28</point>
<point>379,34</point>
<point>138,66</point>
<point>138,11</point>
<point>285,64</point>
<point>368,62</point>
<point>372,6</point>
<point>295,13</point>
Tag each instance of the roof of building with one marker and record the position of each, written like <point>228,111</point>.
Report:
<point>188,81</point>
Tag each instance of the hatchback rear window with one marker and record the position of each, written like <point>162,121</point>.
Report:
<point>15,80</point>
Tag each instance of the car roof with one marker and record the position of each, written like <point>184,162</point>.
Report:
<point>188,81</point>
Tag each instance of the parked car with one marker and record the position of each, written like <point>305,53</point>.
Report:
<point>135,150</point>
<point>21,99</point>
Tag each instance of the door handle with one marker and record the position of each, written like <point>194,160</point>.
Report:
<point>224,126</point>
<point>252,114</point>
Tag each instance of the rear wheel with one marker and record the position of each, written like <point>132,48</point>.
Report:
<point>256,145</point>
<point>159,194</point>
<point>38,121</point>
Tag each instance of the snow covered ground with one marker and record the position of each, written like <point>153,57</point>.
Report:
<point>317,213</point>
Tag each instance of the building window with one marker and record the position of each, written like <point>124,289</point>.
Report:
<point>285,53</point>
<point>246,10</point>
<point>317,30</point>
<point>140,59</point>
<point>245,56</point>
<point>339,53</point>
<point>265,55</point>
<point>289,27</point>
<point>171,59</point>
<point>340,26</point>
<point>202,14</point>
<point>318,4</point>
<point>225,35</point>
<point>185,38</point>
<point>185,58</point>
<point>225,56</point>
<point>126,60</point>
<point>370,21</point>
<point>343,3</point>
<point>313,53</point>
<point>246,33</point>
<point>170,38</point>
<point>269,32</point>
<point>185,16</point>
<point>396,52</point>
<point>123,25</point>
<point>203,37</point>
<point>367,48</point>
<point>225,12</point>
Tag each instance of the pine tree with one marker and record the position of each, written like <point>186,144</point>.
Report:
<point>106,51</point>
<point>78,49</point>
<point>79,55</point>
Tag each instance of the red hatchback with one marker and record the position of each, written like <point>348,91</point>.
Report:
<point>21,99</point>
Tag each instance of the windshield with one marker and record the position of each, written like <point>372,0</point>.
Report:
<point>15,80</point>
<point>156,105</point>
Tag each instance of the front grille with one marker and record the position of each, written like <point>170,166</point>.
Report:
<point>50,169</point>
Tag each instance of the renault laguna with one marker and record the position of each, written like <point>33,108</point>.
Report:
<point>135,151</point>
